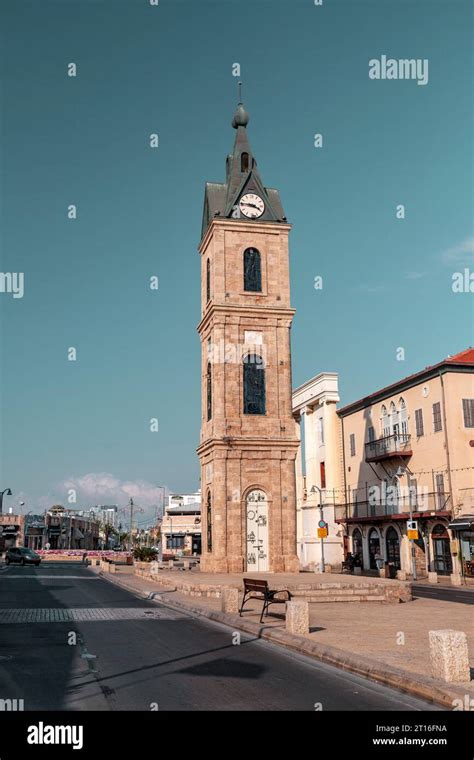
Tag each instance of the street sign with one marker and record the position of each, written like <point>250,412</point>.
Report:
<point>322,532</point>
<point>412,535</point>
<point>322,524</point>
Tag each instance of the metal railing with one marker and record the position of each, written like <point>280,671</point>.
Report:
<point>389,445</point>
<point>430,502</point>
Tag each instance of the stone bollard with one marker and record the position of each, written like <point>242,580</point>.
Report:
<point>297,617</point>
<point>171,563</point>
<point>401,575</point>
<point>230,600</point>
<point>112,567</point>
<point>449,656</point>
<point>357,571</point>
<point>432,577</point>
<point>456,579</point>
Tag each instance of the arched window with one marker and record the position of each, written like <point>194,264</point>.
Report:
<point>252,271</point>
<point>209,391</point>
<point>208,280</point>
<point>394,426</point>
<point>254,384</point>
<point>385,422</point>
<point>244,162</point>
<point>209,522</point>
<point>403,416</point>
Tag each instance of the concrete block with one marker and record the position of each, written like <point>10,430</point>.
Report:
<point>449,656</point>
<point>432,577</point>
<point>112,567</point>
<point>171,563</point>
<point>357,571</point>
<point>297,617</point>
<point>456,579</point>
<point>230,600</point>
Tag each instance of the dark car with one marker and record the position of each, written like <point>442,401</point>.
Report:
<point>23,556</point>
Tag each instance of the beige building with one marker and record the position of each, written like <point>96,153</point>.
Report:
<point>248,440</point>
<point>402,453</point>
<point>408,451</point>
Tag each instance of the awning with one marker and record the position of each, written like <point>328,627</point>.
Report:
<point>462,523</point>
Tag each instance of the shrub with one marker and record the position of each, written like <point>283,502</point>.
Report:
<point>145,554</point>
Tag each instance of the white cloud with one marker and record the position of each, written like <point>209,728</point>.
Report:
<point>102,488</point>
<point>459,254</point>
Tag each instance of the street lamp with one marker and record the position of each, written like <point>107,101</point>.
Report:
<point>8,492</point>
<point>313,490</point>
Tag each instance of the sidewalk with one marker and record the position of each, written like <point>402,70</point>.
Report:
<point>385,643</point>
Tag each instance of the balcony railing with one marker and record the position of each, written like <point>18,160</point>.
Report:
<point>363,510</point>
<point>397,444</point>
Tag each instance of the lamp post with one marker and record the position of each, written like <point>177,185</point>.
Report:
<point>8,492</point>
<point>313,490</point>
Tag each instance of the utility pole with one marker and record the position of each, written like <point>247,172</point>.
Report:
<point>321,519</point>
<point>131,523</point>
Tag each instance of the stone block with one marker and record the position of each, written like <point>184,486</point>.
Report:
<point>432,577</point>
<point>449,656</point>
<point>171,563</point>
<point>401,575</point>
<point>297,617</point>
<point>112,567</point>
<point>230,600</point>
<point>357,571</point>
<point>456,579</point>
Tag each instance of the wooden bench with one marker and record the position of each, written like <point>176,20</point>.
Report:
<point>258,589</point>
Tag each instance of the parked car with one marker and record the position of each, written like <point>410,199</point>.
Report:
<point>23,556</point>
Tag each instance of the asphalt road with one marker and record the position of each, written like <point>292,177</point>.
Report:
<point>71,640</point>
<point>444,594</point>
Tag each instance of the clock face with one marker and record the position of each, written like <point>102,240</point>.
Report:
<point>251,205</point>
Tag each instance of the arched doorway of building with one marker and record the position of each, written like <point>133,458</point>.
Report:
<point>441,550</point>
<point>392,542</point>
<point>374,547</point>
<point>357,543</point>
<point>257,531</point>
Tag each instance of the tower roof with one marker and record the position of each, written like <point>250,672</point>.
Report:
<point>242,176</point>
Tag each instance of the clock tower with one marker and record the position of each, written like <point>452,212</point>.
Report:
<point>248,436</point>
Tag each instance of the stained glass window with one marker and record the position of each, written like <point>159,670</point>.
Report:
<point>254,385</point>
<point>252,270</point>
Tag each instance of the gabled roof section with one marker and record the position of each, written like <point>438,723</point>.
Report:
<point>242,175</point>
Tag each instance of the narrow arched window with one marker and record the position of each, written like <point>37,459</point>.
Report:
<point>209,391</point>
<point>244,162</point>
<point>208,281</point>
<point>254,384</point>
<point>209,522</point>
<point>252,270</point>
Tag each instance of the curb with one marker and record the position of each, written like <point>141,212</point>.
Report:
<point>424,687</point>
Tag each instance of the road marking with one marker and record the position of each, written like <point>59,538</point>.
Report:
<point>58,577</point>
<point>84,614</point>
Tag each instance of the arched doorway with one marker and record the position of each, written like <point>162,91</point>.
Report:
<point>357,543</point>
<point>441,550</point>
<point>257,531</point>
<point>374,547</point>
<point>392,542</point>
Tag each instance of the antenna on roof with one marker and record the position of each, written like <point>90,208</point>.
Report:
<point>239,85</point>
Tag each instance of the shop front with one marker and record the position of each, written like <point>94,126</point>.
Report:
<point>463,530</point>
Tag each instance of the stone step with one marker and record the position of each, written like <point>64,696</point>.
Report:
<point>346,599</point>
<point>339,592</point>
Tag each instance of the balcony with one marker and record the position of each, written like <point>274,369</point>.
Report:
<point>395,445</point>
<point>399,508</point>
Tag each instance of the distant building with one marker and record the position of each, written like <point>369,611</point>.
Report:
<point>181,525</point>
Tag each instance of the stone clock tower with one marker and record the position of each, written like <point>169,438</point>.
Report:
<point>248,436</point>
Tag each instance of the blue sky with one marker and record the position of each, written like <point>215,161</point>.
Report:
<point>85,141</point>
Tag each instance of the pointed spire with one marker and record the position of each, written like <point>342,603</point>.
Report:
<point>241,117</point>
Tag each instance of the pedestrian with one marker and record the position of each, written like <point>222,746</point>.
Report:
<point>378,560</point>
<point>84,558</point>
